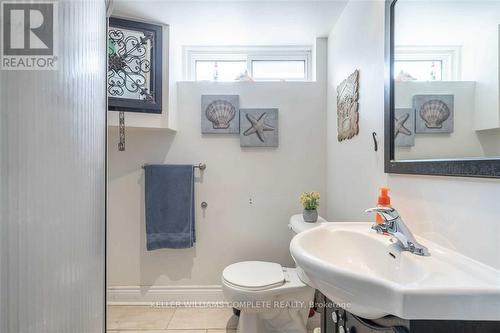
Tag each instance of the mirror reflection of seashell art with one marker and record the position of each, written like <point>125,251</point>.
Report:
<point>220,114</point>
<point>347,107</point>
<point>434,113</point>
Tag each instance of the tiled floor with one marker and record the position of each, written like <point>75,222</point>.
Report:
<point>146,319</point>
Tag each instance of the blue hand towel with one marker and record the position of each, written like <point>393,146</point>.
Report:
<point>169,196</point>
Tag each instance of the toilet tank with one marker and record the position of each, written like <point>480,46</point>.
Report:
<point>297,224</point>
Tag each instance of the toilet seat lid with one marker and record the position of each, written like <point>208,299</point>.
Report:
<point>254,274</point>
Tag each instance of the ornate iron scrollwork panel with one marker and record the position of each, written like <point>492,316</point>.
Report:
<point>134,80</point>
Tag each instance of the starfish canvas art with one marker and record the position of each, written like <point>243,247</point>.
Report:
<point>404,127</point>
<point>259,127</point>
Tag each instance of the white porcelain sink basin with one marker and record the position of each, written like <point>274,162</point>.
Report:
<point>369,275</point>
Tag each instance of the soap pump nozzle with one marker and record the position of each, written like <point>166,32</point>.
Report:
<point>384,200</point>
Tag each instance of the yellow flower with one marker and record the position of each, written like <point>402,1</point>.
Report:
<point>310,200</point>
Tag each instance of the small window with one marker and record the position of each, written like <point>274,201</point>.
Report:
<point>279,69</point>
<point>219,70</point>
<point>244,64</point>
<point>418,70</point>
<point>427,63</point>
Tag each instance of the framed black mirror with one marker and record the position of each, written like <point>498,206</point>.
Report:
<point>442,112</point>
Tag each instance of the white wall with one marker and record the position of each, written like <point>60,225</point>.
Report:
<point>231,229</point>
<point>460,213</point>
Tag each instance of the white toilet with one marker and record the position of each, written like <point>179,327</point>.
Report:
<point>271,298</point>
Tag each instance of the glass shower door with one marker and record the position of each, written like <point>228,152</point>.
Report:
<point>52,167</point>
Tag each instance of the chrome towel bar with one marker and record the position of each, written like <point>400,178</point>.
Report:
<point>201,166</point>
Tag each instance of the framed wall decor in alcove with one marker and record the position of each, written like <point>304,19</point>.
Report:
<point>134,80</point>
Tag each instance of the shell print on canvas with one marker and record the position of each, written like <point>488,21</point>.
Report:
<point>434,113</point>
<point>220,113</point>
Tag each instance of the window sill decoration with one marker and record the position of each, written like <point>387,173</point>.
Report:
<point>134,80</point>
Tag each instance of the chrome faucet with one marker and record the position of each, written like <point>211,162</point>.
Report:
<point>393,224</point>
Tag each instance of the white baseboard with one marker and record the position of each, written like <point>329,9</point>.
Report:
<point>123,295</point>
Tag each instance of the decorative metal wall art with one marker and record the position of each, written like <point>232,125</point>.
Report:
<point>347,107</point>
<point>404,127</point>
<point>434,113</point>
<point>220,114</point>
<point>259,128</point>
<point>121,122</point>
<point>134,80</point>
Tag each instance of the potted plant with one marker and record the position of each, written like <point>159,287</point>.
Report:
<point>310,201</point>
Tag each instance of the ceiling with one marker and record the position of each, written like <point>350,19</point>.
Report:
<point>243,22</point>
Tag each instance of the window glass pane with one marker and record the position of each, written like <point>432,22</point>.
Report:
<point>418,70</point>
<point>279,69</point>
<point>219,70</point>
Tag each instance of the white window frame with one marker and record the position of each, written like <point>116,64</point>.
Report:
<point>192,54</point>
<point>449,56</point>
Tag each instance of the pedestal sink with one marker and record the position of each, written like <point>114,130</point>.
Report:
<point>371,276</point>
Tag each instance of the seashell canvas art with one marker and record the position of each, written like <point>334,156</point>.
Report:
<point>434,113</point>
<point>220,114</point>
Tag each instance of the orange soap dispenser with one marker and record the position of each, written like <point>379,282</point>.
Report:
<point>384,200</point>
